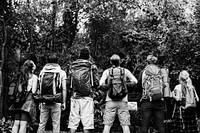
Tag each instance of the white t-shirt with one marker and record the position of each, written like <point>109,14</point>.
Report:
<point>127,74</point>
<point>177,92</point>
<point>53,67</point>
<point>32,83</point>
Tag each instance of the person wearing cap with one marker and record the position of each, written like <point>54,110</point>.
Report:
<point>116,107</point>
<point>82,104</point>
<point>150,109</point>
<point>185,113</point>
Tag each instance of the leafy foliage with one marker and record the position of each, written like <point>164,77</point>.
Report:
<point>132,29</point>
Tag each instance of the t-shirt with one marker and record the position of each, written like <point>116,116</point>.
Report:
<point>62,72</point>
<point>177,93</point>
<point>127,74</point>
<point>32,83</point>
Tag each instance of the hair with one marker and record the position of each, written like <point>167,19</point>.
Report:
<point>84,54</point>
<point>151,59</point>
<point>28,67</point>
<point>52,59</point>
<point>115,60</point>
<point>184,79</point>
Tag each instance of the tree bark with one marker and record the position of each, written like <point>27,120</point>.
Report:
<point>2,69</point>
<point>54,3</point>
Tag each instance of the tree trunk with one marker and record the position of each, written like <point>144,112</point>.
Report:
<point>54,2</point>
<point>2,69</point>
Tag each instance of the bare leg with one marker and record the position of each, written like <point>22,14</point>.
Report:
<point>72,130</point>
<point>126,129</point>
<point>23,126</point>
<point>106,129</point>
<point>15,127</point>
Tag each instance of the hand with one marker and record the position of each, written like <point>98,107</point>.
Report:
<point>94,67</point>
<point>130,85</point>
<point>104,87</point>
<point>63,106</point>
<point>20,88</point>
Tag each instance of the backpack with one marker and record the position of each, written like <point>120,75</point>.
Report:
<point>117,86</point>
<point>81,77</point>
<point>16,97</point>
<point>152,83</point>
<point>12,92</point>
<point>50,84</point>
<point>188,96</point>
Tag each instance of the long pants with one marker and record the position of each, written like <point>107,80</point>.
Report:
<point>152,111</point>
<point>55,111</point>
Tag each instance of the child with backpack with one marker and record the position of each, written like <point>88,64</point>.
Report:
<point>117,94</point>
<point>152,105</point>
<point>184,114</point>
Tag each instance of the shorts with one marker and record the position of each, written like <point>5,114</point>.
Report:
<point>22,116</point>
<point>116,107</point>
<point>82,109</point>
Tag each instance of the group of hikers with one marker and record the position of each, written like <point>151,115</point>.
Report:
<point>49,89</point>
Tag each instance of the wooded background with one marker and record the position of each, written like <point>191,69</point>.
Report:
<point>34,29</point>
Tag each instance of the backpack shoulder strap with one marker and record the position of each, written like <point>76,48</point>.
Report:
<point>54,83</point>
<point>60,78</point>
<point>111,72</point>
<point>143,77</point>
<point>122,76</point>
<point>91,76</point>
<point>122,71</point>
<point>110,77</point>
<point>40,81</point>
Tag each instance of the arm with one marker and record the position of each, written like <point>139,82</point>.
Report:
<point>177,93</point>
<point>34,85</point>
<point>132,81</point>
<point>139,87</point>
<point>102,83</point>
<point>130,76</point>
<point>94,75</point>
<point>104,77</point>
<point>196,96</point>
